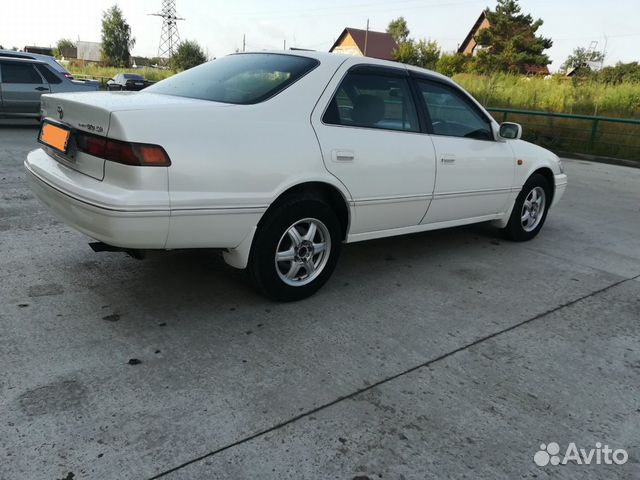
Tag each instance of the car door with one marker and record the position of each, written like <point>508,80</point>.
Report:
<point>475,171</point>
<point>368,127</point>
<point>22,87</point>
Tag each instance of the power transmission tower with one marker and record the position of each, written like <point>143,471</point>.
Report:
<point>169,38</point>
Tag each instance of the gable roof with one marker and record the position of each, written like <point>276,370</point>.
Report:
<point>474,30</point>
<point>379,44</point>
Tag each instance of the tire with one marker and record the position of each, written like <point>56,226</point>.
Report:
<point>304,268</point>
<point>530,209</point>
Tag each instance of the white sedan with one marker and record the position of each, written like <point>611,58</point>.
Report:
<point>280,158</point>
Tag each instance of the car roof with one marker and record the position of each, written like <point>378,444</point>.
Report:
<point>22,60</point>
<point>36,56</point>
<point>338,58</point>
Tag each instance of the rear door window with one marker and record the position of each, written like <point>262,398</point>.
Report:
<point>368,99</point>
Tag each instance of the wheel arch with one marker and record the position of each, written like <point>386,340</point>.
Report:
<point>547,173</point>
<point>325,190</point>
<point>239,256</point>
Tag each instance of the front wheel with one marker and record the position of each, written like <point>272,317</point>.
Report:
<point>530,209</point>
<point>295,249</point>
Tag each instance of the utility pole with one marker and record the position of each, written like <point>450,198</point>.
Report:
<point>285,44</point>
<point>366,38</point>
<point>604,51</point>
<point>169,38</point>
<point>244,42</point>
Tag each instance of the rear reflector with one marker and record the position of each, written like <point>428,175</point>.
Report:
<point>127,153</point>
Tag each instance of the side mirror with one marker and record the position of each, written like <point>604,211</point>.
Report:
<point>510,131</point>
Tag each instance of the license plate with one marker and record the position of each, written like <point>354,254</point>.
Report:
<point>55,136</point>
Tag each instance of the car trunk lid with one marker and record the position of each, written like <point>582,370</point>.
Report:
<point>74,112</point>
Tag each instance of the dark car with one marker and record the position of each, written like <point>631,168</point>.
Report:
<point>128,81</point>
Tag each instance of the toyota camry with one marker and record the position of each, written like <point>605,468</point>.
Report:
<point>278,159</point>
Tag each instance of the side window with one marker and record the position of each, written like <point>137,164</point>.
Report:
<point>373,100</point>
<point>452,114</point>
<point>19,73</point>
<point>48,75</point>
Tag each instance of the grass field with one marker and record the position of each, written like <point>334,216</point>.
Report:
<point>151,74</point>
<point>558,95</point>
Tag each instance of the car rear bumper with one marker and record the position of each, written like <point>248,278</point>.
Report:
<point>560,187</point>
<point>79,201</point>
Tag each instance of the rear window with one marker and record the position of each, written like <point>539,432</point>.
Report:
<point>48,74</point>
<point>239,79</point>
<point>131,76</point>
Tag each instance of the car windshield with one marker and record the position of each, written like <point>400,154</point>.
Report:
<point>238,79</point>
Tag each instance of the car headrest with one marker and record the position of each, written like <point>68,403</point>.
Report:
<point>368,110</point>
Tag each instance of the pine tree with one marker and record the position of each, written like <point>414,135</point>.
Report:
<point>510,44</point>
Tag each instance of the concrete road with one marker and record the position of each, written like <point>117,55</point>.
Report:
<point>447,354</point>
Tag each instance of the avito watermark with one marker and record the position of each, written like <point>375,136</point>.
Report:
<point>549,454</point>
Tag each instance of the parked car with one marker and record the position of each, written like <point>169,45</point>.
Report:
<point>279,158</point>
<point>24,81</point>
<point>51,61</point>
<point>127,81</point>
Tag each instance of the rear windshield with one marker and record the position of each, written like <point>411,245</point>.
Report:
<point>240,79</point>
<point>132,76</point>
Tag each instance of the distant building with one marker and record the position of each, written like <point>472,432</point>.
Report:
<point>89,51</point>
<point>469,45</point>
<point>39,50</point>
<point>353,41</point>
<point>69,53</point>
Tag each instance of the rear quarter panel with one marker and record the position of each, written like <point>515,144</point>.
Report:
<point>234,159</point>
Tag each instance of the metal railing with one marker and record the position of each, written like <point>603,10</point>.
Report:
<point>565,132</point>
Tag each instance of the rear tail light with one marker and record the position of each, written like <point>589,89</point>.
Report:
<point>127,153</point>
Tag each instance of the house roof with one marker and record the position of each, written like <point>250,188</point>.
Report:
<point>472,32</point>
<point>379,44</point>
<point>537,69</point>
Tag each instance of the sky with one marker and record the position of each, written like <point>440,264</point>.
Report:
<point>219,25</point>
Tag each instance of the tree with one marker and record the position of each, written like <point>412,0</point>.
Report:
<point>188,55</point>
<point>421,53</point>
<point>451,64</point>
<point>510,43</point>
<point>622,72</point>
<point>580,59</point>
<point>63,43</point>
<point>116,38</point>
<point>399,30</point>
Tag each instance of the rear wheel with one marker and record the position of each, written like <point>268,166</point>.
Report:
<point>295,249</point>
<point>530,209</point>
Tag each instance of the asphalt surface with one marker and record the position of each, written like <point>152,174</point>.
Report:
<point>447,354</point>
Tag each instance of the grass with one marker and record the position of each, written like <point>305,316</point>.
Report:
<point>93,70</point>
<point>556,94</point>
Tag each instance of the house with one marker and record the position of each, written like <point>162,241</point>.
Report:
<point>469,45</point>
<point>38,50</point>
<point>353,41</point>
<point>89,51</point>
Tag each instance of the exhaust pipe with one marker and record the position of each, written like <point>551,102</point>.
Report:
<point>104,247</point>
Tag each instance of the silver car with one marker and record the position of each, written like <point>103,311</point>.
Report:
<point>23,81</point>
<point>49,60</point>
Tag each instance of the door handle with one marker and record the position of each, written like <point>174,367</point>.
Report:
<point>343,156</point>
<point>42,89</point>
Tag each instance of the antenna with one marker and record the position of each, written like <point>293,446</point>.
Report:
<point>169,38</point>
